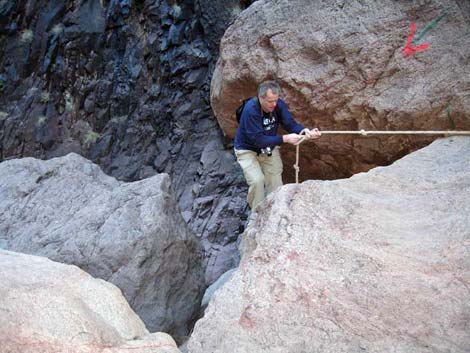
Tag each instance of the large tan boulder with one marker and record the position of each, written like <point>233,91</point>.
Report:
<point>341,66</point>
<point>48,307</point>
<point>376,263</point>
<point>130,234</point>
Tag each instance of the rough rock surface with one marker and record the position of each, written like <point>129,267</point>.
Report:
<point>341,66</point>
<point>130,234</point>
<point>125,84</point>
<point>374,263</point>
<point>52,307</point>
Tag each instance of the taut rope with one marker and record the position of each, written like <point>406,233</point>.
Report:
<point>372,132</point>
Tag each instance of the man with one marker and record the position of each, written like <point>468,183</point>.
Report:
<point>257,143</point>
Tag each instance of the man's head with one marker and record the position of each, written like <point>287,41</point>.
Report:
<point>268,94</point>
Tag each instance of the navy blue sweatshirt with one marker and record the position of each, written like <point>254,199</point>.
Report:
<point>259,129</point>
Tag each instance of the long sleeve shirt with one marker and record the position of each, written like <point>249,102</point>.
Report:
<point>258,129</point>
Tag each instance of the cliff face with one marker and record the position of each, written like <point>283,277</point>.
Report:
<point>342,67</point>
<point>125,84</point>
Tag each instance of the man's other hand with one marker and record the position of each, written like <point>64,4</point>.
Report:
<point>291,138</point>
<point>312,134</point>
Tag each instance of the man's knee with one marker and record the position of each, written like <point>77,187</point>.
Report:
<point>257,180</point>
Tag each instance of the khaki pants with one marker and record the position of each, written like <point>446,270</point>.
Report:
<point>260,171</point>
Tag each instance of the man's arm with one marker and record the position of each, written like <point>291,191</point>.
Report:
<point>288,123</point>
<point>287,120</point>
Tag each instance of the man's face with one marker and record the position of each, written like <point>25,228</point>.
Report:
<point>268,103</point>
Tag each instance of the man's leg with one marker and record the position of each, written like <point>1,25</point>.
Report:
<point>272,170</point>
<point>253,174</point>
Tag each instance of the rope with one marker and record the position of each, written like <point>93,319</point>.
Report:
<point>404,132</point>
<point>367,133</point>
<point>297,146</point>
<point>296,165</point>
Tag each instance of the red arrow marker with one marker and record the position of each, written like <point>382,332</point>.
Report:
<point>409,49</point>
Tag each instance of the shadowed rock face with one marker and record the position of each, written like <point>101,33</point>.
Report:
<point>130,234</point>
<point>341,66</point>
<point>125,84</point>
<point>363,264</point>
<point>51,307</point>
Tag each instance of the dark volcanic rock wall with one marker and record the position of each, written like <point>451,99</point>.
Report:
<point>125,84</point>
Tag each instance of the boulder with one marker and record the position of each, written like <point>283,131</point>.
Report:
<point>375,262</point>
<point>130,234</point>
<point>51,307</point>
<point>341,67</point>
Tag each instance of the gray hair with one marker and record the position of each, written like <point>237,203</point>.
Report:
<point>269,85</point>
